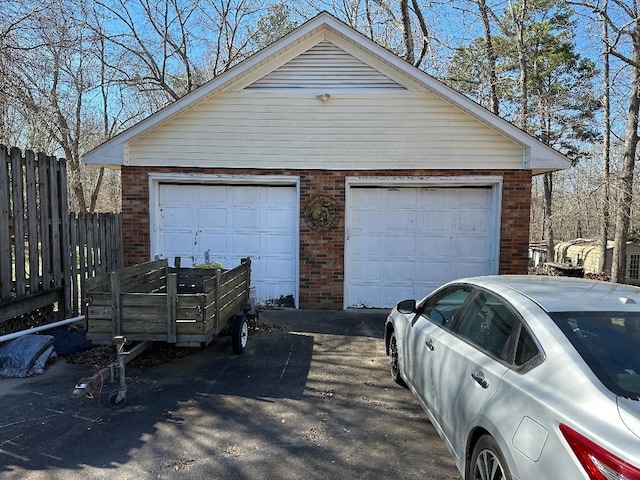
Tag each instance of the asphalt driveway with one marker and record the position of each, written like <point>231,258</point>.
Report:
<point>311,398</point>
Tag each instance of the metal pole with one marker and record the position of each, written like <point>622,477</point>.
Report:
<point>11,336</point>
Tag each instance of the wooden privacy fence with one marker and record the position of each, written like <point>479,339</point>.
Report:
<point>46,252</point>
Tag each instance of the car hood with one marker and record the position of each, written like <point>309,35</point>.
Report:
<point>629,410</point>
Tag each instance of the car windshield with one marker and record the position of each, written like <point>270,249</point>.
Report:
<point>609,343</point>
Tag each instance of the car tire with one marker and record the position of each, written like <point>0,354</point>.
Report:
<point>487,461</point>
<point>394,363</point>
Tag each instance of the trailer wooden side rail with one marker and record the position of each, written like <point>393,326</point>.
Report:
<point>154,302</point>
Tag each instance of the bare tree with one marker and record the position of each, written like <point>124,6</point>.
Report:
<point>606,144</point>
<point>485,14</point>
<point>49,83</point>
<point>624,25</point>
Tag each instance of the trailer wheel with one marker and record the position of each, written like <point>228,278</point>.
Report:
<point>240,334</point>
<point>113,400</point>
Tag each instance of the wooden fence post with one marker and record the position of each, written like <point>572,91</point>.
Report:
<point>5,241</point>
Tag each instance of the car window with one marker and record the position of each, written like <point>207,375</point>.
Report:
<point>609,343</point>
<point>526,349</point>
<point>488,323</point>
<point>444,305</point>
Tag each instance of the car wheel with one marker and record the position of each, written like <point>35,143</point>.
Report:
<point>487,462</point>
<point>394,365</point>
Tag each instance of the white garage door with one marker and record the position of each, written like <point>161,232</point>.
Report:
<point>403,242</point>
<point>224,223</point>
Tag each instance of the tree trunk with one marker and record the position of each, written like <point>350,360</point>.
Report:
<point>518,18</point>
<point>606,151</point>
<point>491,57</point>
<point>406,25</point>
<point>619,264</point>
<point>548,224</point>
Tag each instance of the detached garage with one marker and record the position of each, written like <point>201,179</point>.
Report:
<point>349,177</point>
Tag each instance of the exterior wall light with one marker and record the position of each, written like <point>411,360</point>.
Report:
<point>323,97</point>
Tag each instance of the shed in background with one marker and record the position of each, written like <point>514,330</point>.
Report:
<point>586,253</point>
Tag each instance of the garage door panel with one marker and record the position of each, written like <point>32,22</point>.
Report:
<point>180,217</point>
<point>245,219</point>
<point>365,296</point>
<point>469,269</point>
<point>434,247</point>
<point>279,269</point>
<point>367,272</point>
<point>476,198</point>
<point>431,222</point>
<point>471,222</point>
<point>243,195</point>
<point>434,199</point>
<point>279,221</point>
<point>399,197</point>
<point>226,223</point>
<point>399,247</point>
<point>177,244</point>
<point>214,243</point>
<point>175,195</point>
<point>405,242</point>
<point>244,245</point>
<point>401,270</point>
<point>366,220</point>
<point>279,197</point>
<point>363,245</point>
<point>399,221</point>
<point>278,244</point>
<point>211,219</point>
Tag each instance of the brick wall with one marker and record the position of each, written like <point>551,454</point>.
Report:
<point>322,252</point>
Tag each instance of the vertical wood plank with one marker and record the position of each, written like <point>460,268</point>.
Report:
<point>6,261</point>
<point>75,269</point>
<point>19,260</point>
<point>172,305</point>
<point>54,192</point>
<point>32,222</point>
<point>68,255</point>
<point>90,245</point>
<point>45,221</point>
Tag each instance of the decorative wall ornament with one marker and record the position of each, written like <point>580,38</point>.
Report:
<point>321,213</point>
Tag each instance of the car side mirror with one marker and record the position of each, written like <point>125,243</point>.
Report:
<point>406,306</point>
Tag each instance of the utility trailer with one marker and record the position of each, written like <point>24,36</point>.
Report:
<point>152,302</point>
<point>182,306</point>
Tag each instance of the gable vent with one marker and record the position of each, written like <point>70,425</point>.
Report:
<point>325,67</point>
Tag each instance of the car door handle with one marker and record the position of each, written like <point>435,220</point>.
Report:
<point>479,378</point>
<point>429,344</point>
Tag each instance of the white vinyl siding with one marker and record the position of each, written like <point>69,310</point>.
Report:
<point>265,113</point>
<point>287,130</point>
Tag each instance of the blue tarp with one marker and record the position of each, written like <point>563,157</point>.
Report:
<point>24,355</point>
<point>69,339</point>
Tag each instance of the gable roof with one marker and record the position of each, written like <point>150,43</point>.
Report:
<point>262,70</point>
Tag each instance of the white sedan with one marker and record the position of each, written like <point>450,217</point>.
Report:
<point>526,377</point>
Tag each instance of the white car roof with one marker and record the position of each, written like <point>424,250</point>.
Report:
<point>564,294</point>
